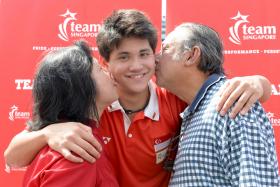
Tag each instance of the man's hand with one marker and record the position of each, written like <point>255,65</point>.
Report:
<point>68,138</point>
<point>245,91</point>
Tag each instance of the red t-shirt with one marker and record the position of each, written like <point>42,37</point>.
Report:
<point>51,169</point>
<point>137,151</point>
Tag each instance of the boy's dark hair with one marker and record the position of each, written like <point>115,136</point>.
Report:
<point>63,87</point>
<point>124,24</point>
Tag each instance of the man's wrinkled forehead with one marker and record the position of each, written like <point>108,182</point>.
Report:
<point>167,41</point>
<point>169,38</point>
<point>177,35</point>
<point>172,39</point>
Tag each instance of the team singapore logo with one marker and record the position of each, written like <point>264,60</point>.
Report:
<point>275,89</point>
<point>242,30</point>
<point>71,29</point>
<point>24,84</point>
<point>273,119</point>
<point>16,114</point>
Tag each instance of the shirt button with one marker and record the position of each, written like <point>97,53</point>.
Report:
<point>130,135</point>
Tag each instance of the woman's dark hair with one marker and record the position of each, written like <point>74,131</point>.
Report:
<point>63,87</point>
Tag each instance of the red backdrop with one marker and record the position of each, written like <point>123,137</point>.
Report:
<point>29,27</point>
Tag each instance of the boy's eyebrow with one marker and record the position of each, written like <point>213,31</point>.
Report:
<point>141,51</point>
<point>145,50</point>
<point>123,53</point>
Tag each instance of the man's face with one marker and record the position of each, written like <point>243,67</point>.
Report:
<point>168,62</point>
<point>132,65</point>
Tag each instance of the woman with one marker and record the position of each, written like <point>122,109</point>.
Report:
<point>70,86</point>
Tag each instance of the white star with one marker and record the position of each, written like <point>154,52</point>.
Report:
<point>72,15</point>
<point>14,107</point>
<point>239,15</point>
<point>244,18</point>
<point>270,115</point>
<point>235,18</point>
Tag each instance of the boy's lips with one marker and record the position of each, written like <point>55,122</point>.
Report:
<point>136,76</point>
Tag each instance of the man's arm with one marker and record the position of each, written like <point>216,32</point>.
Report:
<point>245,91</point>
<point>65,138</point>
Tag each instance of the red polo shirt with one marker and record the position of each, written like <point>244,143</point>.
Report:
<point>137,148</point>
<point>51,169</point>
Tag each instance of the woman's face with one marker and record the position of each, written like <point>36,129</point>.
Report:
<point>105,85</point>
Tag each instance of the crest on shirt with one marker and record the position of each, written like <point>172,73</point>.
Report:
<point>161,146</point>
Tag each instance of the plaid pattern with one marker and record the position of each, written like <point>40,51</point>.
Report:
<point>219,151</point>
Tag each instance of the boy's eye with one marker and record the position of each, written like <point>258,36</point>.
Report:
<point>145,54</point>
<point>123,58</point>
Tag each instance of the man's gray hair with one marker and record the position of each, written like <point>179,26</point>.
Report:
<point>209,42</point>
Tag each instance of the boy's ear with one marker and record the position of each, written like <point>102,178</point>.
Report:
<point>103,62</point>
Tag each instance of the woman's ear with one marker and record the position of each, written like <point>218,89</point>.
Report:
<point>192,57</point>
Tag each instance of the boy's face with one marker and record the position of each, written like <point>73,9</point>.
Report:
<point>132,65</point>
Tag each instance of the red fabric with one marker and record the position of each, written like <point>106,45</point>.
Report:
<point>135,158</point>
<point>50,169</point>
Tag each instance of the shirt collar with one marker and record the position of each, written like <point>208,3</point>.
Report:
<point>152,109</point>
<point>212,79</point>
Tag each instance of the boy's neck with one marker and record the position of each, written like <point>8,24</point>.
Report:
<point>134,102</point>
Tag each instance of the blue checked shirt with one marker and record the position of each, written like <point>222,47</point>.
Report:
<point>219,151</point>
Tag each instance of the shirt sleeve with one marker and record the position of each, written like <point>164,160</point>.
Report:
<point>248,152</point>
<point>67,174</point>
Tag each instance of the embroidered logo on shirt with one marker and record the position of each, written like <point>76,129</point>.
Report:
<point>160,146</point>
<point>106,139</point>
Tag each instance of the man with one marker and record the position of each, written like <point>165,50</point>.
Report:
<point>213,150</point>
<point>138,127</point>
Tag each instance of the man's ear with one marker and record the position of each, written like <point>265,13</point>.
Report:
<point>192,57</point>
